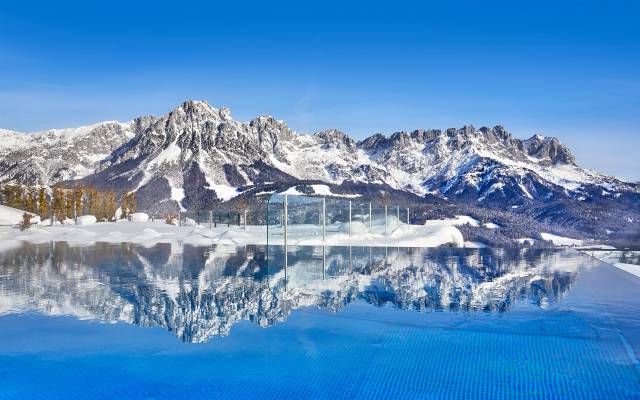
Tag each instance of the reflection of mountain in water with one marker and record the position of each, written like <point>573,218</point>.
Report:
<point>199,292</point>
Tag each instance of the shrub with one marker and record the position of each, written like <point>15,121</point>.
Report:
<point>25,223</point>
<point>170,219</point>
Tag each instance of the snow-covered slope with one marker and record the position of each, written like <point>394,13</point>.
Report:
<point>196,155</point>
<point>48,157</point>
<point>10,215</point>
<point>485,164</point>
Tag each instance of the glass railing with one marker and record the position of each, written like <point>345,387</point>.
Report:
<point>300,216</point>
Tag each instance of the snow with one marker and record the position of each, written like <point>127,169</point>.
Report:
<point>177,194</point>
<point>10,216</point>
<point>491,225</point>
<point>86,220</point>
<point>139,217</point>
<point>190,222</point>
<point>70,133</point>
<point>169,155</point>
<point>149,233</point>
<point>630,268</point>
<point>293,192</point>
<point>458,220</point>
<point>561,240</point>
<point>325,190</point>
<point>224,192</point>
<point>10,139</point>
<point>411,236</point>
<point>474,245</point>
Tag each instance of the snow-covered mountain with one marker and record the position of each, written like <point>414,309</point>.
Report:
<point>196,155</point>
<point>48,157</point>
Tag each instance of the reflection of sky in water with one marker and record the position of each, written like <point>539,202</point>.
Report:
<point>343,322</point>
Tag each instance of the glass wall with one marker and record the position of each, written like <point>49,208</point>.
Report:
<point>308,217</point>
<point>213,218</point>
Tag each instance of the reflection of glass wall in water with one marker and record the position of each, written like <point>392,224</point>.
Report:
<point>300,216</point>
<point>199,292</point>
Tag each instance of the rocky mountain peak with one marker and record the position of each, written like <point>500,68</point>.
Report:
<point>548,149</point>
<point>335,138</point>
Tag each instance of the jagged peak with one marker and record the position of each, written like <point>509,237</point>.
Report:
<point>548,147</point>
<point>331,132</point>
<point>335,136</point>
<point>265,119</point>
<point>195,104</point>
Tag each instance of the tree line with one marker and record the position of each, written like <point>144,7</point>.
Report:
<point>67,203</point>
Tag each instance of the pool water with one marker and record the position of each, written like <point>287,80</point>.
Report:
<point>172,321</point>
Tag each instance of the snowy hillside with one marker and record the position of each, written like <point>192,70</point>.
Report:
<point>48,157</point>
<point>10,215</point>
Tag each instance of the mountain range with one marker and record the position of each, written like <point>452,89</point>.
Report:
<point>196,156</point>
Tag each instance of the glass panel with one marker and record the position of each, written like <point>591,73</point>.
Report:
<point>341,217</point>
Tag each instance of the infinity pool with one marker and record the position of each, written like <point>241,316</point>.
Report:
<point>170,321</point>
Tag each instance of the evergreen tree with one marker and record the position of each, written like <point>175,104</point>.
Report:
<point>29,199</point>
<point>58,203</point>
<point>68,203</point>
<point>131,202</point>
<point>43,203</point>
<point>108,205</point>
<point>128,204</point>
<point>78,194</point>
<point>92,201</point>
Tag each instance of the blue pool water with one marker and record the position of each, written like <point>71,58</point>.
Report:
<point>169,321</point>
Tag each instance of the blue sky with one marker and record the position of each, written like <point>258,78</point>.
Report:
<point>567,69</point>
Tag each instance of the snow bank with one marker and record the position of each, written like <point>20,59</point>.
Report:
<point>630,268</point>
<point>561,240</point>
<point>139,217</point>
<point>149,233</point>
<point>10,215</point>
<point>356,227</point>
<point>86,220</point>
<point>190,222</point>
